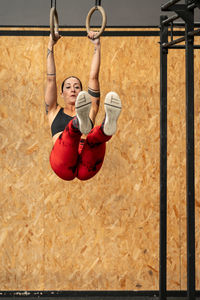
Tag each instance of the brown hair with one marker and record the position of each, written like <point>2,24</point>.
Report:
<point>62,86</point>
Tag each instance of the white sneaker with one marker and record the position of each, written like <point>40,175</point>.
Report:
<point>113,107</point>
<point>82,107</point>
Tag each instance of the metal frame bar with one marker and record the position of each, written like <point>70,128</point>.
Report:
<point>194,32</point>
<point>190,175</point>
<point>79,33</point>
<point>53,3</point>
<point>186,12</point>
<point>193,4</point>
<point>98,3</point>
<point>170,19</point>
<point>181,24</point>
<point>182,39</point>
<point>183,47</point>
<point>169,4</point>
<point>179,40</point>
<point>172,31</point>
<point>80,295</point>
<point>163,162</point>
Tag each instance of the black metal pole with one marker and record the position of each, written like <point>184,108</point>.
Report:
<point>174,42</point>
<point>170,19</point>
<point>190,175</point>
<point>192,6</point>
<point>163,161</point>
<point>194,32</point>
<point>169,4</point>
<point>172,31</point>
<point>53,4</point>
<point>98,3</point>
<point>183,47</point>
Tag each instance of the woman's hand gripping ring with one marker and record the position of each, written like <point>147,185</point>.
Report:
<point>99,8</point>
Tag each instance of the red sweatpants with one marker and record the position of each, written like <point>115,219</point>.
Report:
<point>70,157</point>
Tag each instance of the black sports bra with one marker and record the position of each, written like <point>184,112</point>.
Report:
<point>60,122</point>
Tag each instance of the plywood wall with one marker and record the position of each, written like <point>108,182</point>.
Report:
<point>102,234</point>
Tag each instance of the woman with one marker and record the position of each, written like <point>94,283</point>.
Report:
<point>72,156</point>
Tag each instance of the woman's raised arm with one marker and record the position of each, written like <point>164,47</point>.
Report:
<point>51,87</point>
<point>93,85</point>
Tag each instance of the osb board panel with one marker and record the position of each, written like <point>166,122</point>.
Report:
<point>95,256</point>
<point>22,121</point>
<point>177,237</point>
<point>104,233</point>
<point>176,170</point>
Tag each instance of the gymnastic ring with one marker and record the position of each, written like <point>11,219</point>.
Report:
<point>54,27</point>
<point>102,11</point>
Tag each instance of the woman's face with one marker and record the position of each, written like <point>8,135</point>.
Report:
<point>71,89</point>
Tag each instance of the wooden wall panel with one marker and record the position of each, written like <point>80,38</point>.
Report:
<point>102,234</point>
<point>22,212</point>
<point>176,170</point>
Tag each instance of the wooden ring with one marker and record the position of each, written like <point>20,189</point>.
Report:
<point>100,8</point>
<point>54,27</point>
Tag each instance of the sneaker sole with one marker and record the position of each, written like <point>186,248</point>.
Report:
<point>82,107</point>
<point>113,107</point>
